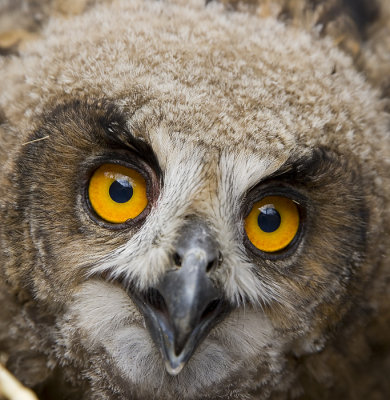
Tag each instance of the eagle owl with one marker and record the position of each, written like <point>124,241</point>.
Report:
<point>194,199</point>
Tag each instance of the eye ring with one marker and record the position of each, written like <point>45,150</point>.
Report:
<point>148,168</point>
<point>117,193</point>
<point>273,224</point>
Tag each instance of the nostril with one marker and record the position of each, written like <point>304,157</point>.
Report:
<point>177,260</point>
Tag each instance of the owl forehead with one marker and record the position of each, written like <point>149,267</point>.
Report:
<point>186,154</point>
<point>212,168</point>
<point>217,125</point>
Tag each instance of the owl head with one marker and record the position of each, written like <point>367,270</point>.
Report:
<point>191,201</point>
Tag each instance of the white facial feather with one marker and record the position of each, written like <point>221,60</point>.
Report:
<point>188,191</point>
<point>237,174</point>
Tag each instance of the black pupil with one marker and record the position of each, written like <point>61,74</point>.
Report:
<point>269,219</point>
<point>121,191</point>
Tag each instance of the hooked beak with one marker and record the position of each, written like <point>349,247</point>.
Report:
<point>182,309</point>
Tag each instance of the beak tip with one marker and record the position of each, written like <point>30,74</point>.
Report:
<point>174,368</point>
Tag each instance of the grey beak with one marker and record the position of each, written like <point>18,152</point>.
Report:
<point>182,309</point>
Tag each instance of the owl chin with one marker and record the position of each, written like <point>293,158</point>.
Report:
<point>108,318</point>
<point>141,366</point>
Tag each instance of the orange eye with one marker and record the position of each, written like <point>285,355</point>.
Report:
<point>117,193</point>
<point>272,223</point>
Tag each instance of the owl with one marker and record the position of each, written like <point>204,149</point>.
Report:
<point>194,199</point>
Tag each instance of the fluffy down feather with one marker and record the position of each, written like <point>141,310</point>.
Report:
<point>225,102</point>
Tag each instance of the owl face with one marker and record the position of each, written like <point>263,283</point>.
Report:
<point>195,223</point>
<point>188,284</point>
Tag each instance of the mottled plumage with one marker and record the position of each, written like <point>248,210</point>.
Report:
<point>217,106</point>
